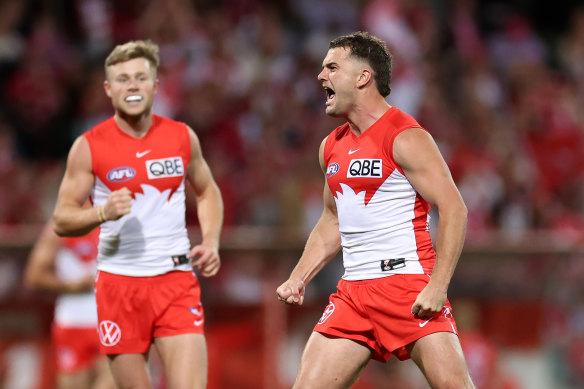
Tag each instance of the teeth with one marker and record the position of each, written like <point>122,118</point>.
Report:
<point>134,98</point>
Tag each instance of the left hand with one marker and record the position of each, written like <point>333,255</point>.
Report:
<point>206,259</point>
<point>430,301</point>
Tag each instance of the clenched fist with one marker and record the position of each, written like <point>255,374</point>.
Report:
<point>118,204</point>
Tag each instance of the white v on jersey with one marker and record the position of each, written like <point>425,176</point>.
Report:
<point>384,223</point>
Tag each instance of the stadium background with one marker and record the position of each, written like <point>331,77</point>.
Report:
<point>500,85</point>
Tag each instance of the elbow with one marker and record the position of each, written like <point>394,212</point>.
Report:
<point>454,210</point>
<point>58,226</point>
<point>463,210</point>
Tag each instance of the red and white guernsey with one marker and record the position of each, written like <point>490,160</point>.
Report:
<point>153,168</point>
<point>74,262</point>
<point>384,222</point>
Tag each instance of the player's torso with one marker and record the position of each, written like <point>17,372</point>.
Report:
<point>154,169</point>
<point>383,222</point>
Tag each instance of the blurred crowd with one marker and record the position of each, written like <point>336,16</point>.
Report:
<point>502,102</point>
<point>501,94</point>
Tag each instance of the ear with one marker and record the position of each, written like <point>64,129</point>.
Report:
<point>156,83</point>
<point>364,78</point>
<point>106,87</point>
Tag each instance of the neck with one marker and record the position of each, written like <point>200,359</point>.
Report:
<point>362,116</point>
<point>136,126</point>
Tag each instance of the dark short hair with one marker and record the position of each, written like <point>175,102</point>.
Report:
<point>374,51</point>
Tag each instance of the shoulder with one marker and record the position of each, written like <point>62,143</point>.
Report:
<point>167,128</point>
<point>335,136</point>
<point>169,123</point>
<point>401,120</point>
<point>413,143</point>
<point>100,129</point>
<point>339,132</point>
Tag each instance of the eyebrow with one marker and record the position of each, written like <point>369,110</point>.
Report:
<point>137,74</point>
<point>329,64</point>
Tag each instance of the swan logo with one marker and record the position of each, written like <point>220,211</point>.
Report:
<point>328,311</point>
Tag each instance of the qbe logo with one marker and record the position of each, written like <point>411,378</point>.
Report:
<point>109,333</point>
<point>372,168</point>
<point>165,167</point>
<point>328,311</point>
<point>332,169</point>
<point>121,174</point>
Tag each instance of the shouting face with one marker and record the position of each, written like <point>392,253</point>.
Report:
<point>340,78</point>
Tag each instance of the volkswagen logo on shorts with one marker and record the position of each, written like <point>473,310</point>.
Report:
<point>109,333</point>
<point>327,312</point>
<point>332,169</point>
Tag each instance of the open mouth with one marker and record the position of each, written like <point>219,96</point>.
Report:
<point>330,94</point>
<point>133,98</point>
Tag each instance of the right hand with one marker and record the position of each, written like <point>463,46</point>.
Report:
<point>291,292</point>
<point>118,204</point>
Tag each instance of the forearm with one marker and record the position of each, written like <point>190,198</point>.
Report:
<point>71,220</point>
<point>449,243</point>
<point>43,278</point>
<point>322,245</point>
<point>210,214</point>
<point>53,284</point>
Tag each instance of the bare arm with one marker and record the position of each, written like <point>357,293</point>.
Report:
<point>417,154</point>
<point>209,210</point>
<point>322,245</point>
<point>40,268</point>
<point>70,218</point>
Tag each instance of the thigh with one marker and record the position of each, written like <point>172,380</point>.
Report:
<point>177,305</point>
<point>79,379</point>
<point>130,371</point>
<point>440,358</point>
<point>103,378</point>
<point>331,363</point>
<point>124,313</point>
<point>184,358</point>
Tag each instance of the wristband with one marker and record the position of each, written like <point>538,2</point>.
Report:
<point>101,214</point>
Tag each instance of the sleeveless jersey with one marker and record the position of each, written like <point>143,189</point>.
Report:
<point>75,261</point>
<point>143,242</point>
<point>384,222</point>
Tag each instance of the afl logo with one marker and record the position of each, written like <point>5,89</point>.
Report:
<point>332,169</point>
<point>121,174</point>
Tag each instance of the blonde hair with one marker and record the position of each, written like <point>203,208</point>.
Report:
<point>134,49</point>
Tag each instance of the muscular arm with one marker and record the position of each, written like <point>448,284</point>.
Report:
<point>70,217</point>
<point>40,269</point>
<point>209,210</point>
<point>417,154</point>
<point>322,245</point>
